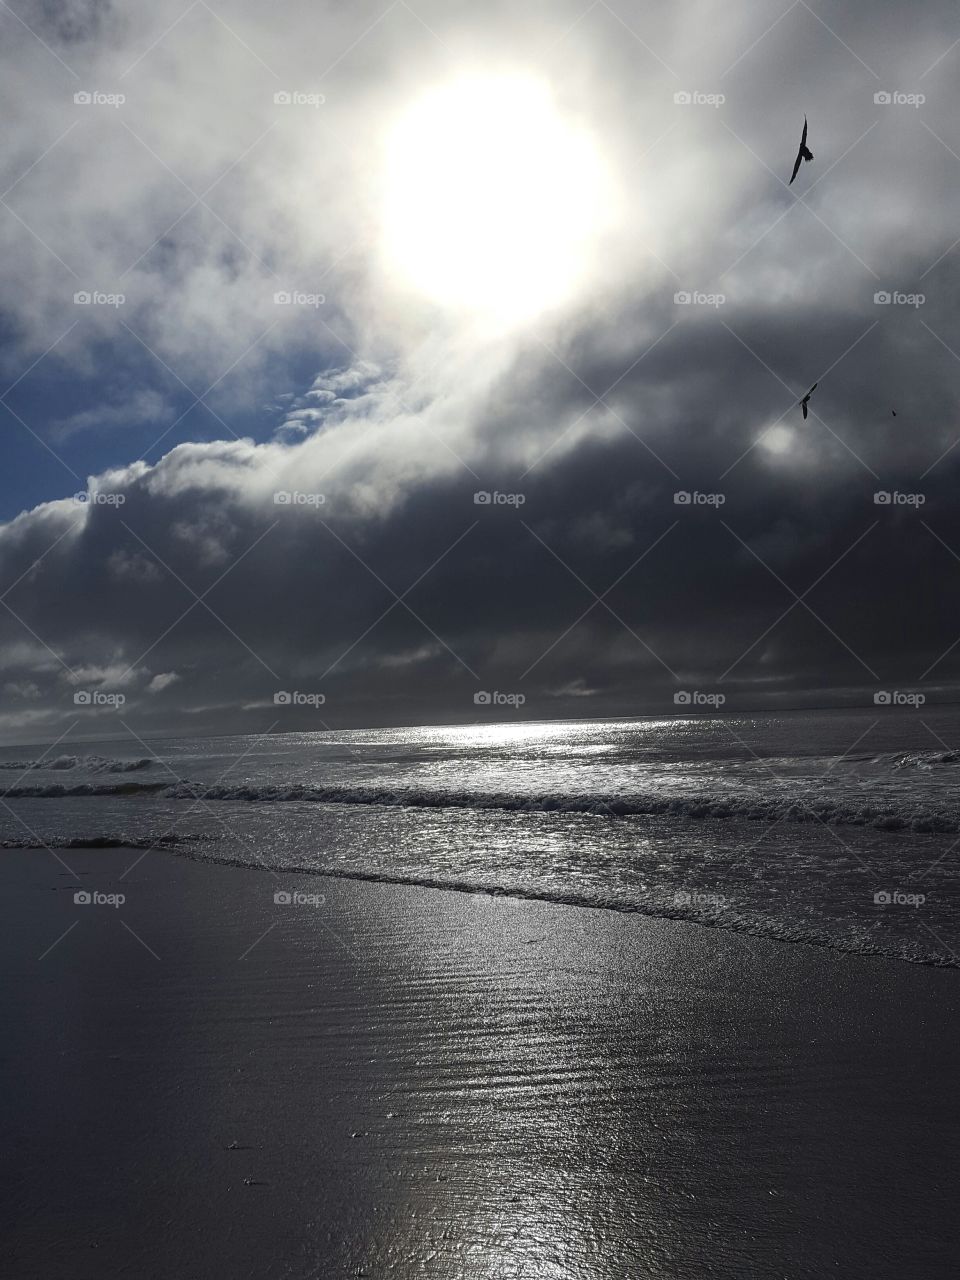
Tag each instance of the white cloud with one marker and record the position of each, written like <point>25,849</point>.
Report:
<point>162,680</point>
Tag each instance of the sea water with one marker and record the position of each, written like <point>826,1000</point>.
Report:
<point>839,829</point>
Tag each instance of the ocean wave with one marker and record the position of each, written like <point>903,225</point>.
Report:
<point>96,764</point>
<point>777,808</point>
<point>63,790</point>
<point>919,759</point>
<point>885,814</point>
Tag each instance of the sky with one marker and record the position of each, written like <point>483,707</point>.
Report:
<point>407,363</point>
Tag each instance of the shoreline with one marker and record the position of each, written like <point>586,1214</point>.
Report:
<point>820,942</point>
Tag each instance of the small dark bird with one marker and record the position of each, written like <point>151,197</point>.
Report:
<point>806,398</point>
<point>802,154</point>
<point>894,412</point>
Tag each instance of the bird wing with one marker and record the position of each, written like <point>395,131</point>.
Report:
<point>803,406</point>
<point>812,390</point>
<point>803,147</point>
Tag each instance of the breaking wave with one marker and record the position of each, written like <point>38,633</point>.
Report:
<point>890,813</point>
<point>784,807</point>
<point>61,790</point>
<point>919,759</point>
<point>96,764</point>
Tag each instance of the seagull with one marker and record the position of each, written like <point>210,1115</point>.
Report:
<point>802,154</point>
<point>803,402</point>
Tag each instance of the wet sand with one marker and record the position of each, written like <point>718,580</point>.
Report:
<point>403,1082</point>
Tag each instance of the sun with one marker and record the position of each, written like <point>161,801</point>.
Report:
<point>493,200</point>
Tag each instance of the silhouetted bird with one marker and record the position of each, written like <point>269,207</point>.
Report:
<point>806,398</point>
<point>802,154</point>
<point>894,412</point>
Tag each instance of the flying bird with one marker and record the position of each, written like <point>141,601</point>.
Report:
<point>894,412</point>
<point>802,154</point>
<point>806,398</point>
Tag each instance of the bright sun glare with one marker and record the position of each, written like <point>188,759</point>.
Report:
<point>492,197</point>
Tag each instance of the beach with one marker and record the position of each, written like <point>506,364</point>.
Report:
<point>389,1080</point>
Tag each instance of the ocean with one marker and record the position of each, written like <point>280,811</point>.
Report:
<point>838,829</point>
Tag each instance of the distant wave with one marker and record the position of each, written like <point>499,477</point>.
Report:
<point>96,764</point>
